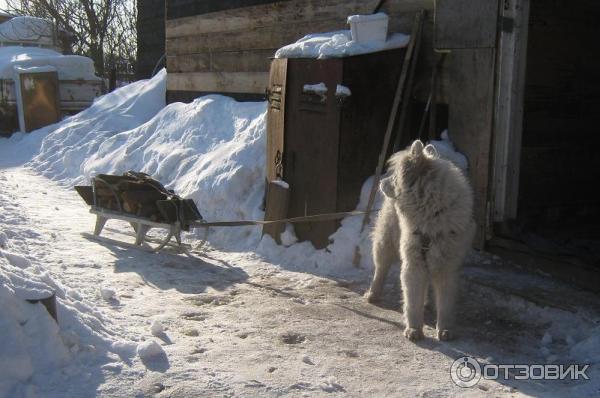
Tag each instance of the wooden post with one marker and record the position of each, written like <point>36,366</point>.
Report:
<point>508,115</point>
<point>278,194</point>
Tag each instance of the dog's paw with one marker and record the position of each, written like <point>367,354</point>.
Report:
<point>445,335</point>
<point>372,297</point>
<point>413,334</point>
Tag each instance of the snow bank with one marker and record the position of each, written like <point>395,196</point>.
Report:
<point>32,345</point>
<point>446,150</point>
<point>63,147</point>
<point>69,67</point>
<point>337,44</point>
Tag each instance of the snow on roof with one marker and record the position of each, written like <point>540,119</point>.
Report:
<point>28,29</point>
<point>336,44</point>
<point>70,67</point>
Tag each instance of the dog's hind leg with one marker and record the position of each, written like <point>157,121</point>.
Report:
<point>384,254</point>
<point>445,286</point>
<point>414,287</point>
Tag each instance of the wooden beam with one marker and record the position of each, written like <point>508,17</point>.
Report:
<point>508,118</point>
<point>228,82</point>
<point>471,106</point>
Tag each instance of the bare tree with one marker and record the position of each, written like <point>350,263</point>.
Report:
<point>103,30</point>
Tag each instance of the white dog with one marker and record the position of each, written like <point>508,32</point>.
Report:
<point>427,222</point>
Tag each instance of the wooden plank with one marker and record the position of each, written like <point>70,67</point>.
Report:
<point>257,38</point>
<point>470,122</point>
<point>224,61</point>
<point>184,8</point>
<point>283,13</point>
<point>508,117</point>
<point>465,23</point>
<point>278,194</point>
<point>233,82</point>
<point>276,95</point>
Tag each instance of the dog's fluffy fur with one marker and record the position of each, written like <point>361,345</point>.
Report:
<point>427,223</point>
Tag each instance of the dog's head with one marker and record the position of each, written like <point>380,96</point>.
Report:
<point>405,167</point>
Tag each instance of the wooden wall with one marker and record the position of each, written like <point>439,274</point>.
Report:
<point>225,46</point>
<point>150,35</point>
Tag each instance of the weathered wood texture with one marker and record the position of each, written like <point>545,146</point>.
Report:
<point>37,99</point>
<point>560,165</point>
<point>508,117</point>
<point>278,196</point>
<point>330,143</point>
<point>471,104</point>
<point>217,40</point>
<point>186,8</point>
<point>150,35</point>
<point>465,23</point>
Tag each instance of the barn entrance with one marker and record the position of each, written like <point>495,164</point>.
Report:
<point>558,207</point>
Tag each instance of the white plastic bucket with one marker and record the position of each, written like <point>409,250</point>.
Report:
<point>369,28</point>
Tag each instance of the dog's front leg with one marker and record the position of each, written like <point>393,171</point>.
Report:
<point>414,286</point>
<point>445,286</point>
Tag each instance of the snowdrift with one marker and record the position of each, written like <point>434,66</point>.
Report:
<point>32,345</point>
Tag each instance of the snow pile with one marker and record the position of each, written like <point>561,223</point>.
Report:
<point>33,347</point>
<point>69,67</point>
<point>446,149</point>
<point>31,342</point>
<point>65,145</point>
<point>337,44</point>
<point>28,29</point>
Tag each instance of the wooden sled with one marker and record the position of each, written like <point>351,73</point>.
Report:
<point>108,200</point>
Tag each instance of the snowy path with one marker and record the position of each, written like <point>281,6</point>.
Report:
<point>235,325</point>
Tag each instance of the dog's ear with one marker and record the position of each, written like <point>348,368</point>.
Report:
<point>431,152</point>
<point>386,186</point>
<point>416,149</point>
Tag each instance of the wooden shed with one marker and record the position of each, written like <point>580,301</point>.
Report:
<point>517,79</point>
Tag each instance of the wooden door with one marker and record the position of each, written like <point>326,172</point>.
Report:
<point>38,102</point>
<point>312,123</point>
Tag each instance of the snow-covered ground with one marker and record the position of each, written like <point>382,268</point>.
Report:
<point>246,317</point>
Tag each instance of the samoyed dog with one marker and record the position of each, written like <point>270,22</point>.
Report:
<point>427,223</point>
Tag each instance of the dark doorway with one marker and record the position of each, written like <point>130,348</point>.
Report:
<point>559,206</point>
